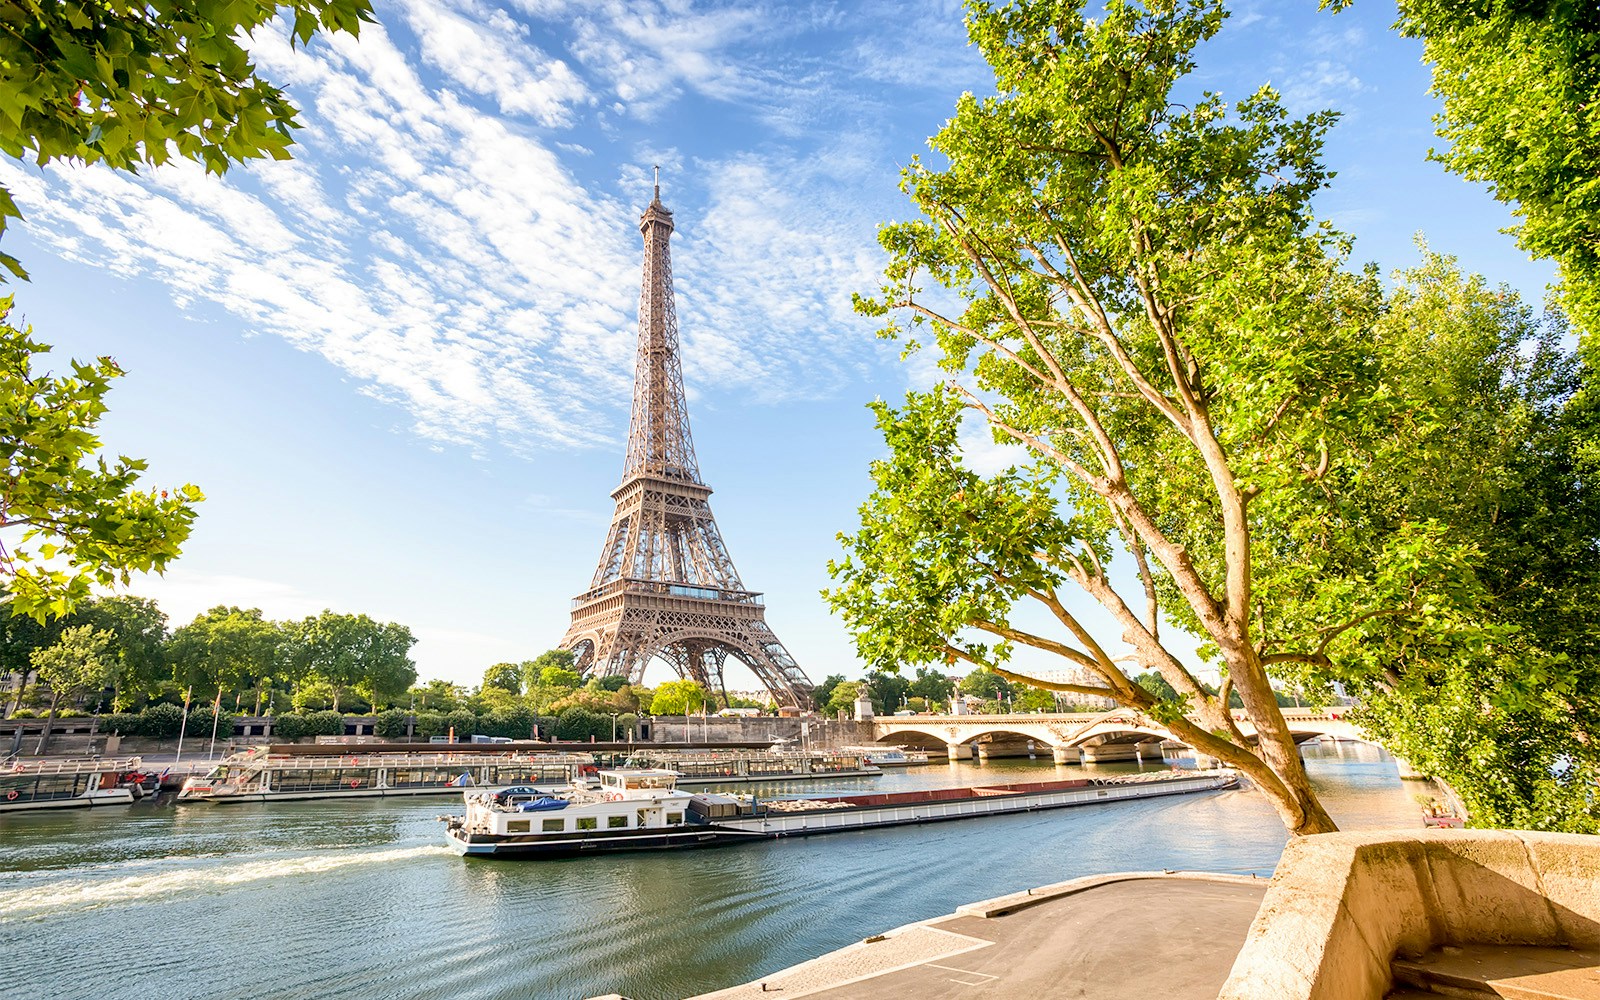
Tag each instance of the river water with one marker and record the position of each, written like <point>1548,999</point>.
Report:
<point>360,899</point>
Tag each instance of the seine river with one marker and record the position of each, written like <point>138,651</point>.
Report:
<point>360,899</point>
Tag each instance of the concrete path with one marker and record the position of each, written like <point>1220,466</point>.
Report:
<point>1118,937</point>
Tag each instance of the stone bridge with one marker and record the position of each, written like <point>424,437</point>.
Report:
<point>1120,734</point>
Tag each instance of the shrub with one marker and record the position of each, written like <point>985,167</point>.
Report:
<point>161,722</point>
<point>23,713</point>
<point>463,721</point>
<point>121,723</point>
<point>580,724</point>
<point>391,724</point>
<point>200,723</point>
<point>329,723</point>
<point>290,727</point>
<point>429,724</point>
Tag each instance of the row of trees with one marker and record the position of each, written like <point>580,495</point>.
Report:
<point>116,653</point>
<point>1325,478</point>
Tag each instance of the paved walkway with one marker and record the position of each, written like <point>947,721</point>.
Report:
<point>1117,937</point>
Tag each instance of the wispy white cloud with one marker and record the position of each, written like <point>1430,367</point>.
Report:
<point>434,238</point>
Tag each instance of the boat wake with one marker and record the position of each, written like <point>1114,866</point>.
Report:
<point>85,891</point>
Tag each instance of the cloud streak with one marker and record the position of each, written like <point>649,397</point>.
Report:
<point>440,237</point>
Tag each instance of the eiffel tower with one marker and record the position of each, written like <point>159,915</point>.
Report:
<point>665,585</point>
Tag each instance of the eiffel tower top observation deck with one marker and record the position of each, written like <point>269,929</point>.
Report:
<point>665,585</point>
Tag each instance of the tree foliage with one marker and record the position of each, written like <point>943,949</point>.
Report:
<point>355,651</point>
<point>1135,294</point>
<point>505,676</point>
<point>83,520</point>
<point>127,84</point>
<point>680,697</point>
<point>1505,707</point>
<point>1520,86</point>
<point>78,664</point>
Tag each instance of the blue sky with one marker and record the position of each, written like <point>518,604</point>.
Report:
<point>400,365</point>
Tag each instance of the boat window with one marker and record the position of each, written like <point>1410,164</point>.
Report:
<point>517,825</point>
<point>612,822</point>
<point>674,818</point>
<point>554,825</point>
<point>588,822</point>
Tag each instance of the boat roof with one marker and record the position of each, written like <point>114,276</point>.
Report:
<point>641,772</point>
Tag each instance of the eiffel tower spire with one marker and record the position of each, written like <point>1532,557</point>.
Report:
<point>665,585</point>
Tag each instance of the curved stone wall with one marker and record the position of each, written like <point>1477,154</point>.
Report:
<point>1343,905</point>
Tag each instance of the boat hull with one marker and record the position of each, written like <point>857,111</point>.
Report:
<point>575,845</point>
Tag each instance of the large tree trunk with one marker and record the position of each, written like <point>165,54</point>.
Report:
<point>49,722</point>
<point>21,689</point>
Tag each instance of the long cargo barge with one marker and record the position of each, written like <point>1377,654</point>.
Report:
<point>642,809</point>
<point>260,775</point>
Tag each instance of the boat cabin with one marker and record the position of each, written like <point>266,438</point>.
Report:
<point>637,782</point>
<point>626,799</point>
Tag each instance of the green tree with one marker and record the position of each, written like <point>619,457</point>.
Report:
<point>78,664</point>
<point>120,84</point>
<point>355,651</point>
<point>437,696</point>
<point>986,684</point>
<point>680,697</point>
<point>888,691</point>
<point>128,84</point>
<point>824,690</point>
<point>842,698</point>
<point>1033,699</point>
<point>505,676</point>
<point>83,520</point>
<point>228,649</point>
<point>533,670</point>
<point>138,629</point>
<point>1136,294</point>
<point>933,687</point>
<point>1507,709</point>
<point>1519,83</point>
<point>20,635</point>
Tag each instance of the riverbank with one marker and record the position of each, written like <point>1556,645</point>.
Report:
<point>1129,936</point>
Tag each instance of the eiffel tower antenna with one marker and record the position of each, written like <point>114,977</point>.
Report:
<point>665,586</point>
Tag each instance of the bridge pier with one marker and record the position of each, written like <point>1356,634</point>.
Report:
<point>959,751</point>
<point>1107,752</point>
<point>1148,750</point>
<point>1066,755</point>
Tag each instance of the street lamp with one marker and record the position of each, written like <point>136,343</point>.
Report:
<point>613,727</point>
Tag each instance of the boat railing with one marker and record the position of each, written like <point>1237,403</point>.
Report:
<point>73,766</point>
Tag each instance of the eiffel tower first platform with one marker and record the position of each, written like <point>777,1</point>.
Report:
<point>665,585</point>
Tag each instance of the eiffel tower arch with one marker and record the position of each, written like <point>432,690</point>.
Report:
<point>666,586</point>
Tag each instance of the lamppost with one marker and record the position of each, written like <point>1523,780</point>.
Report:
<point>613,727</point>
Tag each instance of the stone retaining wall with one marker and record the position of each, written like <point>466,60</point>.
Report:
<point>1343,905</point>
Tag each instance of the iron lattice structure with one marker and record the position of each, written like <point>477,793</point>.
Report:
<point>665,585</point>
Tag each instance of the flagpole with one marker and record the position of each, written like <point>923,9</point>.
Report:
<point>184,726</point>
<point>216,717</point>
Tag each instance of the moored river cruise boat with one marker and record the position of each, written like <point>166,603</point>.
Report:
<point>642,809</point>
<point>260,775</point>
<point>889,756</point>
<point>73,784</point>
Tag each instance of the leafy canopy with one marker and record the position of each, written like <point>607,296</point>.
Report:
<point>129,83</point>
<point>78,519</point>
<point>1520,86</point>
